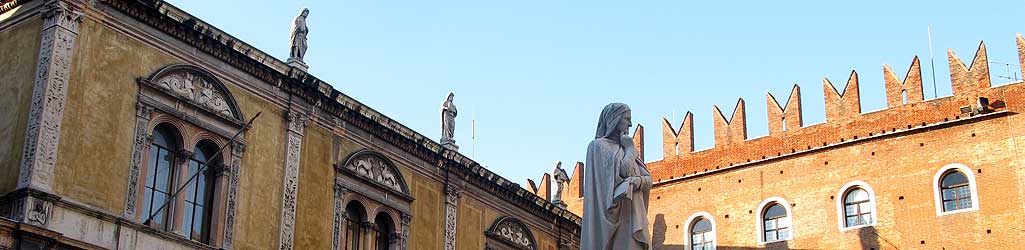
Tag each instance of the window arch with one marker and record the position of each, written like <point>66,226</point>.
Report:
<point>184,116</point>
<point>774,221</point>
<point>355,216</point>
<point>700,230</point>
<point>955,190</point>
<point>856,206</point>
<point>160,168</point>
<point>383,231</point>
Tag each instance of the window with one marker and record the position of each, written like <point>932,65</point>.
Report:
<point>382,230</point>
<point>857,208</point>
<point>354,232</point>
<point>776,223</point>
<point>178,181</point>
<point>159,171</point>
<point>702,236</point>
<point>955,190</point>
<point>855,204</point>
<point>196,223</point>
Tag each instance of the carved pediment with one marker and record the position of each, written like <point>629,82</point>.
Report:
<point>374,167</point>
<point>511,231</point>
<point>195,86</point>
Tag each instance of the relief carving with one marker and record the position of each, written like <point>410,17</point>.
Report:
<point>376,168</point>
<point>139,149</point>
<point>49,92</point>
<point>39,211</point>
<point>196,89</point>
<point>451,200</point>
<point>339,214</point>
<point>513,232</point>
<point>296,126</point>
<point>237,149</point>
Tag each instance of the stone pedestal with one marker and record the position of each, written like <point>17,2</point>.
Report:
<point>299,64</point>
<point>449,144</point>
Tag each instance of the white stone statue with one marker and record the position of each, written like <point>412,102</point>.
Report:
<point>298,39</point>
<point>448,122</point>
<point>616,187</point>
<point>561,178</point>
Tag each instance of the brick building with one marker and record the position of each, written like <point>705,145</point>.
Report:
<point>110,106</point>
<point>945,173</point>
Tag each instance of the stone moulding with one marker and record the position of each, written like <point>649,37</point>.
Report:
<point>513,232</point>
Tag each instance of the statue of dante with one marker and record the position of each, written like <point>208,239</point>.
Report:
<point>448,120</point>
<point>561,178</point>
<point>298,38</point>
<point>616,187</point>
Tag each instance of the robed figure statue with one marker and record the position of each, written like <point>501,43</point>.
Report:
<point>298,37</point>
<point>616,187</point>
<point>448,120</point>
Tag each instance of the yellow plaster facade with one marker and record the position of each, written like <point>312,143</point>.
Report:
<point>19,48</point>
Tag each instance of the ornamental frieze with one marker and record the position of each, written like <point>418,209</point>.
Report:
<point>374,167</point>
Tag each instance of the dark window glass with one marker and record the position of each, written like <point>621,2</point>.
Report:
<point>857,208</point>
<point>196,217</point>
<point>776,223</point>
<point>159,174</point>
<point>354,230</point>
<point>383,230</point>
<point>955,191</point>
<point>701,235</point>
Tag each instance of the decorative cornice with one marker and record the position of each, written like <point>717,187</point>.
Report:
<point>246,58</point>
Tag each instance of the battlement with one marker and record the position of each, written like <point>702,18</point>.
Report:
<point>906,110</point>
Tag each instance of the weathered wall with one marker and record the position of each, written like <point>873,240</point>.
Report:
<point>471,226</point>
<point>19,48</point>
<point>99,117</point>
<point>427,230</point>
<point>259,193</point>
<point>315,206</point>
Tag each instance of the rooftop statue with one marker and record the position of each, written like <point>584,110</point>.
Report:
<point>298,40</point>
<point>448,122</point>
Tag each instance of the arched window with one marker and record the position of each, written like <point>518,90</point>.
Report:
<point>702,237</point>
<point>159,173</point>
<point>955,190</point>
<point>857,208</point>
<point>198,192</point>
<point>354,233</point>
<point>775,223</point>
<point>382,230</point>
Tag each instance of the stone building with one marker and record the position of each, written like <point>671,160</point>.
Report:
<point>113,108</point>
<point>945,173</point>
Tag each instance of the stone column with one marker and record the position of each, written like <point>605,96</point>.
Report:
<point>49,93</point>
<point>451,209</point>
<point>140,148</point>
<point>293,149</point>
<point>404,235</point>
<point>339,218</point>
<point>237,148</point>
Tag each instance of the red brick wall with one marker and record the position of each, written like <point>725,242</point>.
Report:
<point>897,151</point>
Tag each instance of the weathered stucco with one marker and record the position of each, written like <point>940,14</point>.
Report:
<point>19,48</point>
<point>427,230</point>
<point>259,194</point>
<point>99,115</point>
<point>471,226</point>
<point>316,191</point>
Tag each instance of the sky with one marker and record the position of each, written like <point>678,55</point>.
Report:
<point>533,75</point>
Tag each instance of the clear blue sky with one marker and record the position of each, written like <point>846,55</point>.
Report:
<point>536,74</point>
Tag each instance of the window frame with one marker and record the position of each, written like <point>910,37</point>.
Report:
<point>938,192</point>
<point>760,220</point>
<point>687,241</point>
<point>841,215</point>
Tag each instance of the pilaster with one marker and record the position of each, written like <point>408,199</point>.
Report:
<point>49,93</point>
<point>451,209</point>
<point>296,127</point>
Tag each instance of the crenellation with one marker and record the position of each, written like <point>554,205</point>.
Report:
<point>678,143</point>
<point>638,138</point>
<point>841,107</point>
<point>845,122</point>
<point>576,184</point>
<point>971,79</point>
<point>732,131</point>
<point>903,92</point>
<point>1021,53</point>
<point>786,118</point>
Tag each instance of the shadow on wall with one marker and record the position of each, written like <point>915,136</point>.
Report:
<point>658,235</point>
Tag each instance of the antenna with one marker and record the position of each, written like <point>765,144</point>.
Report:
<point>932,62</point>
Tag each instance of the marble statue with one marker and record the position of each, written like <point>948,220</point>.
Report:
<point>561,178</point>
<point>298,40</point>
<point>616,187</point>
<point>448,122</point>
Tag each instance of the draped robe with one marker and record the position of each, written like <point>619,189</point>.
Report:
<point>615,210</point>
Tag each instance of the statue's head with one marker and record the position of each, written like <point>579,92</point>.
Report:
<point>450,96</point>
<point>614,121</point>
<point>558,164</point>
<point>305,12</point>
